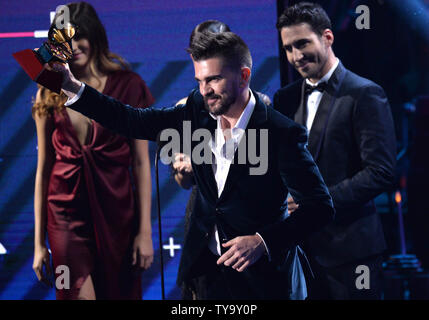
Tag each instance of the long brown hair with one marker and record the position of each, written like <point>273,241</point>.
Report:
<point>48,102</point>
<point>89,26</point>
<point>84,17</point>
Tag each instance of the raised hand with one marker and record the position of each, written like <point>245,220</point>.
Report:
<point>70,85</point>
<point>183,170</point>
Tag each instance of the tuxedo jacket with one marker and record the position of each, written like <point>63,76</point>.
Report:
<point>248,203</point>
<point>352,140</point>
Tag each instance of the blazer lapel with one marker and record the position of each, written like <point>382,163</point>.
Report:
<point>299,114</point>
<point>236,170</point>
<point>324,111</point>
<point>204,171</point>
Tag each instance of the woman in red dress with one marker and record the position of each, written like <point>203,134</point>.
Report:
<point>98,225</point>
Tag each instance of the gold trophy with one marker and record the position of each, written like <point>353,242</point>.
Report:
<point>58,48</point>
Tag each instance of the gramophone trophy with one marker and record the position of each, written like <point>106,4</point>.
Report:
<point>57,48</point>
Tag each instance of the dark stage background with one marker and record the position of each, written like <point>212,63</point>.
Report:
<point>152,36</point>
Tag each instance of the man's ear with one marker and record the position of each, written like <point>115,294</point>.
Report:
<point>245,76</point>
<point>328,37</point>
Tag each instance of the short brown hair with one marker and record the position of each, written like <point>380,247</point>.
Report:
<point>227,45</point>
<point>305,12</point>
<point>213,26</point>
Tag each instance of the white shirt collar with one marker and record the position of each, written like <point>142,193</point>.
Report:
<point>327,76</point>
<point>247,112</point>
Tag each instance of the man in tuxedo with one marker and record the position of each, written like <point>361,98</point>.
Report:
<point>352,140</point>
<point>238,235</point>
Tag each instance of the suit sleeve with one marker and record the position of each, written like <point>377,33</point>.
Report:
<point>375,136</point>
<point>131,122</point>
<point>276,101</point>
<point>287,100</point>
<point>303,180</point>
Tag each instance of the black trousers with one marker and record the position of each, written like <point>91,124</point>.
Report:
<point>339,282</point>
<point>259,281</point>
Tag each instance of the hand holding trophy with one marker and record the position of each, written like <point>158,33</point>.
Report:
<point>57,49</point>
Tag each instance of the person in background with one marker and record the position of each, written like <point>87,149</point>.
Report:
<point>352,140</point>
<point>95,212</point>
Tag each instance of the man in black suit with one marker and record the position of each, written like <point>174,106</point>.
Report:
<point>352,140</point>
<point>237,235</point>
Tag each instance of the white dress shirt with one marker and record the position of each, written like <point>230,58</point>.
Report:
<point>314,98</point>
<point>223,152</point>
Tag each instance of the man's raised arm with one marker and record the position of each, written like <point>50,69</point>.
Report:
<point>131,122</point>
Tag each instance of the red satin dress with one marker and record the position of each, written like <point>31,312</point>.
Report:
<point>92,216</point>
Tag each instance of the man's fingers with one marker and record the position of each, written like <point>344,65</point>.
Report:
<point>292,210</point>
<point>239,263</point>
<point>176,165</point>
<point>181,167</point>
<point>48,67</point>
<point>230,242</point>
<point>225,256</point>
<point>291,205</point>
<point>56,66</point>
<point>182,158</point>
<point>244,266</point>
<point>179,157</point>
<point>233,260</point>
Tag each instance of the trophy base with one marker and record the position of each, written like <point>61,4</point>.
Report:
<point>29,61</point>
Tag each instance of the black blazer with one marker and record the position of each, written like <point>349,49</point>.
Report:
<point>352,140</point>
<point>249,203</point>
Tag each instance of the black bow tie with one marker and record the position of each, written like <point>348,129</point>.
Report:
<point>308,89</point>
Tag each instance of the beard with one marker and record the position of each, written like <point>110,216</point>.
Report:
<point>316,64</point>
<point>221,105</point>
